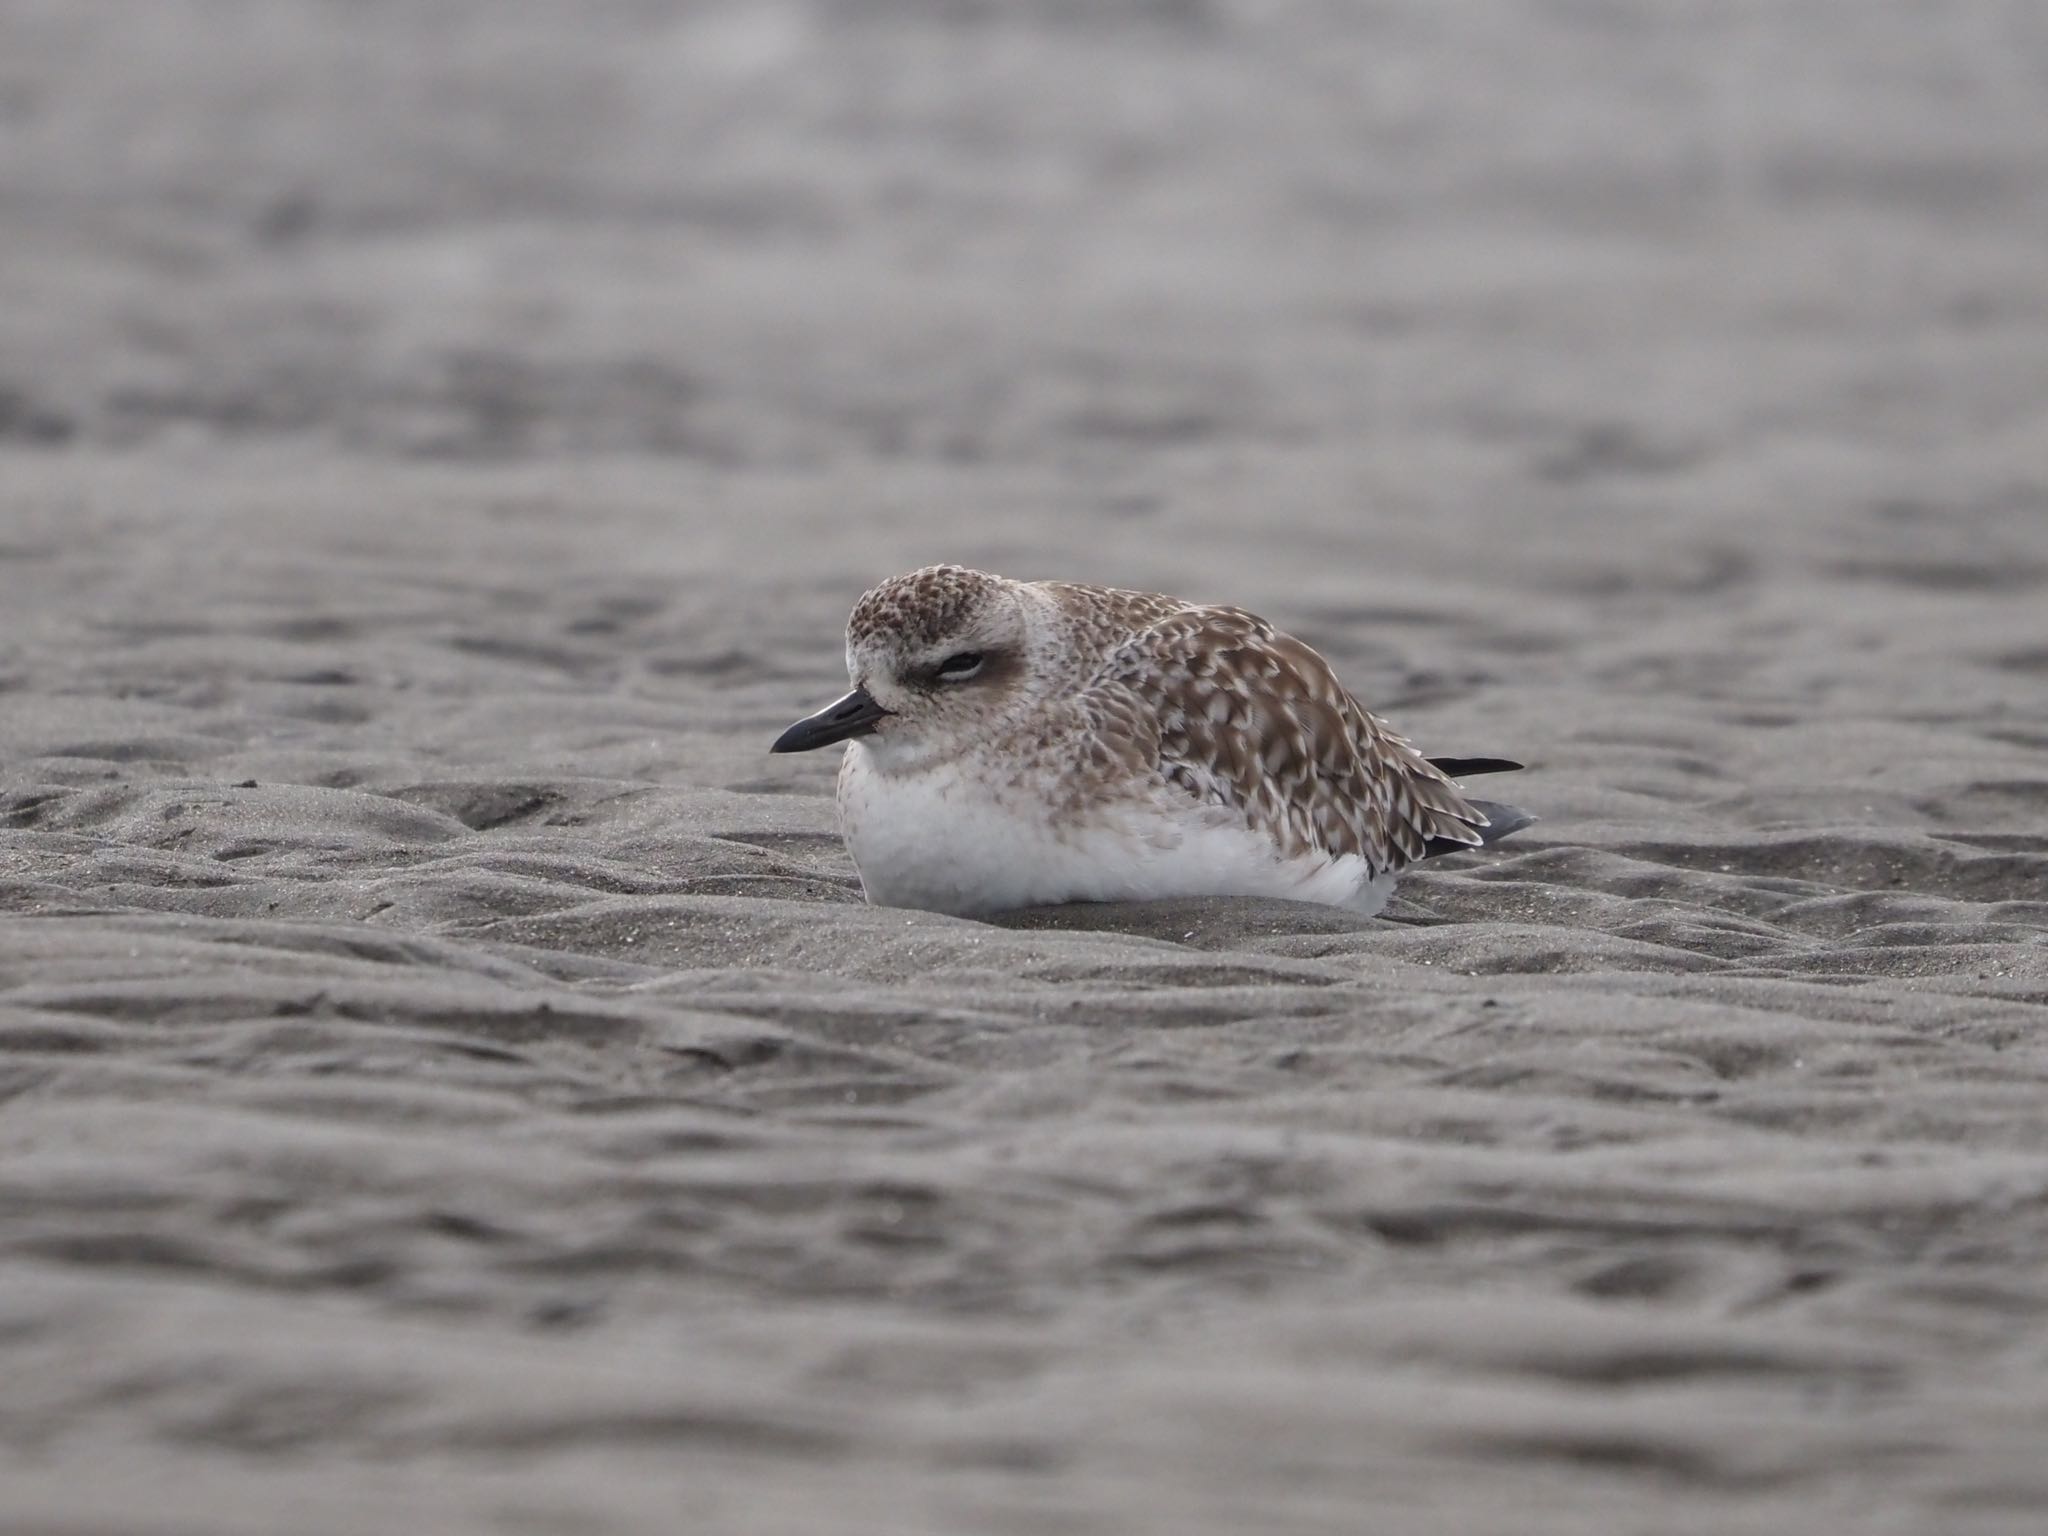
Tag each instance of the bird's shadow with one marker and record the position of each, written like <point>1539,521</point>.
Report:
<point>1181,919</point>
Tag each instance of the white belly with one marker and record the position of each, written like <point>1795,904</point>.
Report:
<point>944,840</point>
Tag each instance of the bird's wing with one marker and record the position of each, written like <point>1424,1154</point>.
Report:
<point>1238,715</point>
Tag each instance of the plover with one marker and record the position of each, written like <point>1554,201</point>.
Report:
<point>1015,743</point>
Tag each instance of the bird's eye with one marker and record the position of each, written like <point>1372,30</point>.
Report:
<point>960,666</point>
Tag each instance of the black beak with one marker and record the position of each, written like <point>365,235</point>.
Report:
<point>854,715</point>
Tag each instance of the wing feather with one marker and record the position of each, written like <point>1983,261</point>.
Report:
<point>1252,720</point>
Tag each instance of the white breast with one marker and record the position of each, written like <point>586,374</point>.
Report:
<point>945,840</point>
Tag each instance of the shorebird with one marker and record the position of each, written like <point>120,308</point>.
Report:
<point>1015,743</point>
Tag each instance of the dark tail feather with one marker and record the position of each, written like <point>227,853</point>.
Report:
<point>1501,821</point>
<point>1465,767</point>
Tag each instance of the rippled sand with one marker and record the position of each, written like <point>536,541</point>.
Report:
<point>448,1079</point>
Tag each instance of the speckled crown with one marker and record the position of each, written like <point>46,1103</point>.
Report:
<point>921,608</point>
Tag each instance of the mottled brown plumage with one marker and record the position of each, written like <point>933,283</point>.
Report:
<point>1045,741</point>
<point>1254,720</point>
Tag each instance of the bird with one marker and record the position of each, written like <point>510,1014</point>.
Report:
<point>1030,743</point>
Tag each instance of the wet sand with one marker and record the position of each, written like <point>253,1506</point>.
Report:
<point>448,1079</point>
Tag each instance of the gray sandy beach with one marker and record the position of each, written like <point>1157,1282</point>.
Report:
<point>449,1080</point>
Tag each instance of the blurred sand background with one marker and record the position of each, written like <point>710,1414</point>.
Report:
<point>448,1083</point>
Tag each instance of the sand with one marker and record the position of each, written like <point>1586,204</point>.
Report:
<point>449,1082</point>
